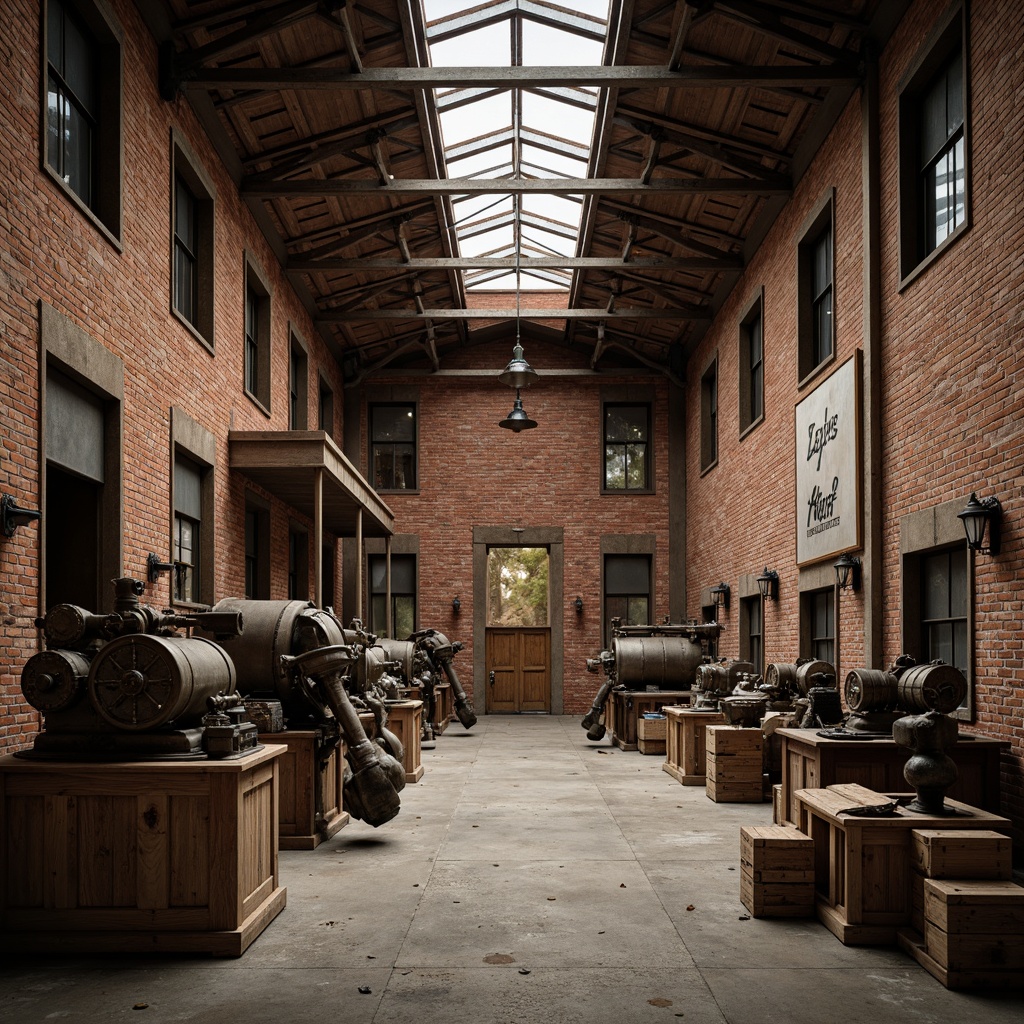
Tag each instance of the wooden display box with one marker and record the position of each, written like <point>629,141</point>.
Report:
<point>626,707</point>
<point>777,899</point>
<point>973,933</point>
<point>954,853</point>
<point>734,764</point>
<point>810,761</point>
<point>685,746</point>
<point>405,720</point>
<point>139,857</point>
<point>776,871</point>
<point>301,824</point>
<point>863,873</point>
<point>444,705</point>
<point>650,735</point>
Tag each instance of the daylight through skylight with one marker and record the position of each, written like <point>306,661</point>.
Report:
<point>540,133</point>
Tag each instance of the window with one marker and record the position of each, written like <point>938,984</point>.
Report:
<point>188,514</point>
<point>944,607</point>
<point>626,432</point>
<point>627,591</point>
<point>257,338</point>
<point>816,293</point>
<point>192,243</point>
<point>393,447</point>
<point>403,595</point>
<point>325,408</point>
<point>298,565</point>
<point>82,142</point>
<point>751,364</point>
<point>709,417</point>
<point>751,631</point>
<point>298,384</point>
<point>933,148</point>
<point>257,550</point>
<point>327,558</point>
<point>820,624</point>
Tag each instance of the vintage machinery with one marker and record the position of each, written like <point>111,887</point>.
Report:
<point>126,685</point>
<point>714,680</point>
<point>440,652</point>
<point>662,657</point>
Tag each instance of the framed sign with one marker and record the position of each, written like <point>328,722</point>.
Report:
<point>828,466</point>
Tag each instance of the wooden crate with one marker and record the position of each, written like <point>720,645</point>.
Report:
<point>405,720</point>
<point>734,792</point>
<point>685,746</point>
<point>734,766</point>
<point>774,853</point>
<point>626,708</point>
<point>776,899</point>
<point>984,979</point>
<point>139,857</point>
<point>974,906</point>
<point>302,824</point>
<point>777,813</point>
<point>650,735</point>
<point>735,739</point>
<point>953,853</point>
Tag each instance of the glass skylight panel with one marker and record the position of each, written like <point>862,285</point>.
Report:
<point>484,47</point>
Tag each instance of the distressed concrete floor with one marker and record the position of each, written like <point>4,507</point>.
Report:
<point>530,876</point>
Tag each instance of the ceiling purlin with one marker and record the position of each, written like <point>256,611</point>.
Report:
<point>328,240</point>
<point>762,19</point>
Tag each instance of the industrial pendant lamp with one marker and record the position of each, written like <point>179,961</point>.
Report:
<point>517,419</point>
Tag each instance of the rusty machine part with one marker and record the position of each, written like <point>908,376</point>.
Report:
<point>930,769</point>
<point>932,687</point>
<point>745,710</point>
<point>54,680</point>
<point>141,682</point>
<point>373,777</point>
<point>227,730</point>
<point>870,689</point>
<point>403,654</point>
<point>441,651</point>
<point>798,676</point>
<point>663,657</point>
<point>714,680</point>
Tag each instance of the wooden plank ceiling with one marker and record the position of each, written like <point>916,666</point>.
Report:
<point>706,113</point>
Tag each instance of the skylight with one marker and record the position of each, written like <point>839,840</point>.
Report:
<point>542,133</point>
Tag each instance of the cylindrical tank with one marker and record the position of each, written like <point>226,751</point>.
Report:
<point>270,629</point>
<point>780,676</point>
<point>402,651</point>
<point>935,687</point>
<point>721,677</point>
<point>807,670</point>
<point>54,680</point>
<point>870,689</point>
<point>140,682</point>
<point>667,662</point>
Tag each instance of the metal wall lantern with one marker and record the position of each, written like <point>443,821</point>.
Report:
<point>155,568</point>
<point>978,516</point>
<point>517,419</point>
<point>578,605</point>
<point>768,584</point>
<point>847,569</point>
<point>12,515</point>
<point>720,595</point>
<point>456,604</point>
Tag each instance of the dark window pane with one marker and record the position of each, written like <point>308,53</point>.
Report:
<point>626,423</point>
<point>958,583</point>
<point>393,423</point>
<point>627,574</point>
<point>637,613</point>
<point>78,68</point>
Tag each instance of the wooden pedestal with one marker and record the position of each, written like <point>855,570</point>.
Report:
<point>444,705</point>
<point>863,866</point>
<point>139,857</point>
<point>810,761</point>
<point>310,805</point>
<point>405,720</point>
<point>685,747</point>
<point>735,769</point>
<point>625,706</point>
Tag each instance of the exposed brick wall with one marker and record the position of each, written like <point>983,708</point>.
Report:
<point>51,251</point>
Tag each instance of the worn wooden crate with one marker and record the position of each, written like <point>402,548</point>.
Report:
<point>650,735</point>
<point>405,720</point>
<point>964,906</point>
<point>774,853</point>
<point>954,853</point>
<point>685,746</point>
<point>139,857</point>
<point>980,978</point>
<point>733,792</point>
<point>778,815</point>
<point>734,740</point>
<point>776,899</point>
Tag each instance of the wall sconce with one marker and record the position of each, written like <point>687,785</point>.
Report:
<point>578,605</point>
<point>154,567</point>
<point>456,604</point>
<point>976,516</point>
<point>847,569</point>
<point>12,515</point>
<point>768,584</point>
<point>720,595</point>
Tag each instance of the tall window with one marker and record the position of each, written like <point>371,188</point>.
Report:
<point>751,631</point>
<point>403,595</point>
<point>82,142</point>
<point>188,514</point>
<point>298,565</point>
<point>627,591</point>
<point>257,551</point>
<point>820,608</point>
<point>192,248</point>
<point>325,408</point>
<point>933,147</point>
<point>257,338</point>
<point>816,292</point>
<point>393,447</point>
<point>186,252</point>
<point>752,367</point>
<point>626,433</point>
<point>298,384</point>
<point>944,607</point>
<point>252,343</point>
<point>709,416</point>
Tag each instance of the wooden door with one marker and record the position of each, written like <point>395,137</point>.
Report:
<point>518,670</point>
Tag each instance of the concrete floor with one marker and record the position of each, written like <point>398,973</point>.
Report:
<point>530,876</point>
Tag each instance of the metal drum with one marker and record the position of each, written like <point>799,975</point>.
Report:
<point>721,677</point>
<point>935,687</point>
<point>780,676</point>
<point>54,680</point>
<point>807,670</point>
<point>402,651</point>
<point>141,681</point>
<point>666,662</point>
<point>870,689</point>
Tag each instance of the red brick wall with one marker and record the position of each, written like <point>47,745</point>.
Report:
<point>51,251</point>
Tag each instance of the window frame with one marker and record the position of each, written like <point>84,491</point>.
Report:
<point>949,36</point>
<point>409,558</point>
<point>298,562</point>
<point>608,553</point>
<point>298,382</point>
<point>325,406</point>
<point>186,168</point>
<point>749,370</point>
<point>747,646</point>
<point>372,445</point>
<point>105,207</point>
<point>256,344</point>
<point>808,618</point>
<point>709,433</point>
<point>194,443</point>
<point>256,548</point>
<point>820,223</point>
<point>648,485</point>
